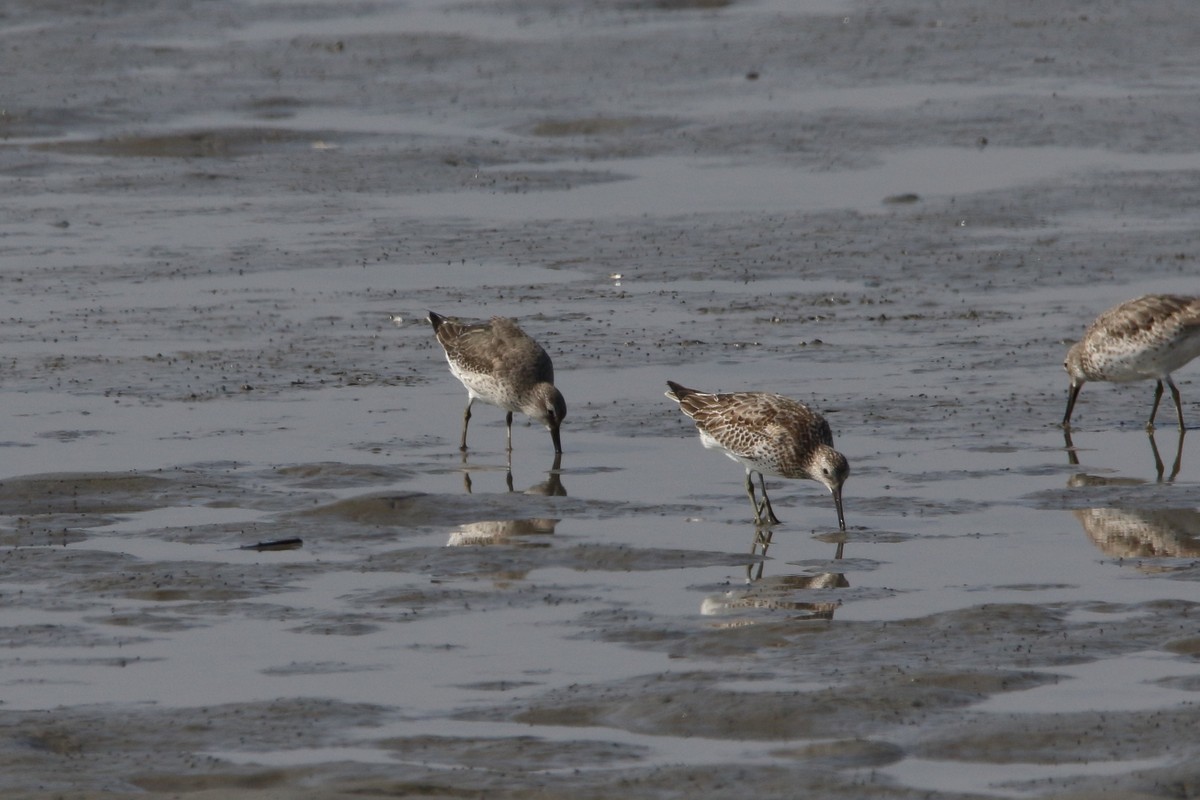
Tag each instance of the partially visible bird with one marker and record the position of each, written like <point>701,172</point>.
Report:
<point>502,366</point>
<point>768,434</point>
<point>1149,337</point>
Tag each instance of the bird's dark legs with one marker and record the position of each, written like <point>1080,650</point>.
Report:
<point>753,499</point>
<point>767,501</point>
<point>466,419</point>
<point>1178,400</point>
<point>1158,392</point>
<point>765,505</point>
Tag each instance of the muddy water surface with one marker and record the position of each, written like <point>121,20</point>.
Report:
<point>241,555</point>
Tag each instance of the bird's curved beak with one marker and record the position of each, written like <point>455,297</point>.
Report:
<point>557,441</point>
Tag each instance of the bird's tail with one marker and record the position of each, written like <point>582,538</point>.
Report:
<point>678,391</point>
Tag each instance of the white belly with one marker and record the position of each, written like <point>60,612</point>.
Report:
<point>484,387</point>
<point>749,462</point>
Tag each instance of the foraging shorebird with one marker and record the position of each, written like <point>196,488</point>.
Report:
<point>502,366</point>
<point>768,434</point>
<point>1142,339</point>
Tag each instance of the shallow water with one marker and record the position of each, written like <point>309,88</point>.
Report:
<point>221,238</point>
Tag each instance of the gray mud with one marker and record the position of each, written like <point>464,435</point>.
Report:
<point>241,555</point>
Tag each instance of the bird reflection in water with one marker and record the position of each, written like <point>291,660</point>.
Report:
<point>1125,532</point>
<point>503,531</point>
<point>513,531</point>
<point>551,487</point>
<point>777,592</point>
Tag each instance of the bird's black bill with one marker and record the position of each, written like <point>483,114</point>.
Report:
<point>837,501</point>
<point>1071,396</point>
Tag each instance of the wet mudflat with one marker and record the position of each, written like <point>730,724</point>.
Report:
<point>241,555</point>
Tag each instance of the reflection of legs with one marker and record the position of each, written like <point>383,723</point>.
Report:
<point>466,419</point>
<point>1159,467</point>
<point>1178,454</point>
<point>761,539</point>
<point>1158,462</point>
<point>466,473</point>
<point>1072,455</point>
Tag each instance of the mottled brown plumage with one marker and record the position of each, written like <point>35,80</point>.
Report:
<point>502,365</point>
<point>768,434</point>
<point>1146,338</point>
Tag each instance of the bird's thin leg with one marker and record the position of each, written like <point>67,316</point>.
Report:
<point>1178,400</point>
<point>767,501</point>
<point>508,422</point>
<point>750,494</point>
<point>1158,391</point>
<point>466,419</point>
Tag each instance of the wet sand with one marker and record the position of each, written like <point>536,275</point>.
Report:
<point>241,555</point>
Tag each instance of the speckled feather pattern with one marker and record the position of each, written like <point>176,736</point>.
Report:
<point>498,362</point>
<point>1148,337</point>
<point>769,433</point>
